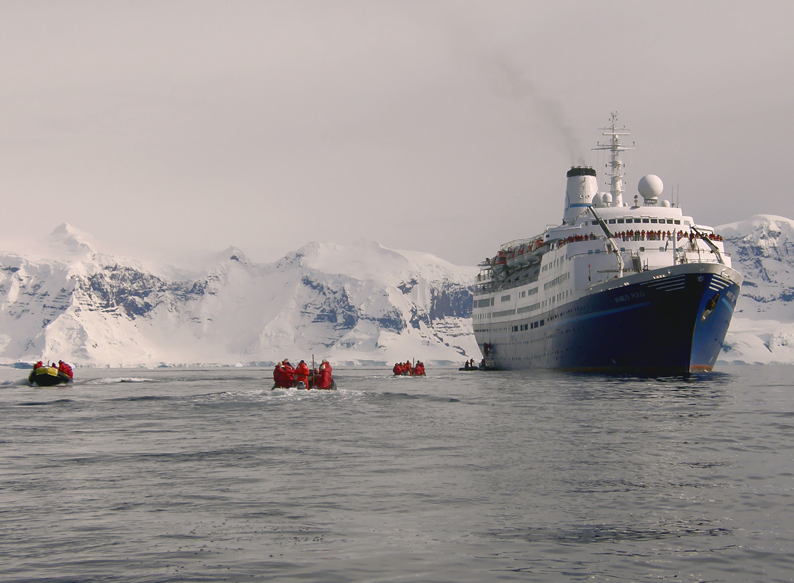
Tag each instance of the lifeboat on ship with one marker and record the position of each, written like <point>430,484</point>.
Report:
<point>521,256</point>
<point>534,251</point>
<point>512,261</point>
<point>499,262</point>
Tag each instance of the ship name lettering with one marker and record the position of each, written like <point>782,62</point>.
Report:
<point>632,296</point>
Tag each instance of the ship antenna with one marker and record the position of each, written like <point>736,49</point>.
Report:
<point>616,165</point>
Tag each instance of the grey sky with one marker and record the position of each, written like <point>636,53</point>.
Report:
<point>172,127</point>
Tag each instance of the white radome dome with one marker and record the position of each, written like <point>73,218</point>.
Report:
<point>650,186</point>
<point>597,199</point>
<point>665,203</point>
<point>607,198</point>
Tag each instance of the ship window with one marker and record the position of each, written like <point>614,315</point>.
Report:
<point>654,220</point>
<point>541,323</point>
<point>637,220</point>
<point>593,222</point>
<point>611,221</point>
<point>644,220</point>
<point>620,220</point>
<point>506,298</point>
<point>669,221</point>
<point>678,222</point>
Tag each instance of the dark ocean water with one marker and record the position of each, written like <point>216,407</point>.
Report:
<point>208,475</point>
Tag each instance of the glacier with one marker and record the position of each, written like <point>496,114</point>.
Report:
<point>355,304</point>
<point>762,329</point>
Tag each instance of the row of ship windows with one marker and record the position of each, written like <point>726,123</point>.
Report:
<point>654,221</point>
<point>529,292</point>
<point>538,324</point>
<point>506,298</point>
<point>530,326</point>
<point>623,250</point>
<point>553,264</point>
<point>552,300</point>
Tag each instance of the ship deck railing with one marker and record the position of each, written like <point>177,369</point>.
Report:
<point>517,243</point>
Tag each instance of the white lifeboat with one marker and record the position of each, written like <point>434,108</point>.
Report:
<point>521,256</point>
<point>499,262</point>
<point>512,262</point>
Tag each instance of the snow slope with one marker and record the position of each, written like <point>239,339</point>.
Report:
<point>356,303</point>
<point>762,330</point>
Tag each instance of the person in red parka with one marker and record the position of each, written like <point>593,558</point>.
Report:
<point>419,369</point>
<point>398,369</point>
<point>65,369</point>
<point>323,378</point>
<point>302,374</point>
<point>39,364</point>
<point>278,375</point>
<point>289,374</point>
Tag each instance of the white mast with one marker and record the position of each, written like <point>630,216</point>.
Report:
<point>615,163</point>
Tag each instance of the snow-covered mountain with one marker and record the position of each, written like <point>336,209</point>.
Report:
<point>356,303</point>
<point>762,329</point>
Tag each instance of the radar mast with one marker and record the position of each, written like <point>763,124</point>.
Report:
<point>616,165</point>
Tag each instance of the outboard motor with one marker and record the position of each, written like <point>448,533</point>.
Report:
<point>581,188</point>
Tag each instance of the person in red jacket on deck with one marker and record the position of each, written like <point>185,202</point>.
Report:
<point>302,374</point>
<point>323,379</point>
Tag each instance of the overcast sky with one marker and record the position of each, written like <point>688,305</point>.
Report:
<point>166,128</point>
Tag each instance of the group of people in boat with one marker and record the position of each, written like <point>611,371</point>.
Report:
<point>405,369</point>
<point>61,366</point>
<point>471,365</point>
<point>285,376</point>
<point>48,375</point>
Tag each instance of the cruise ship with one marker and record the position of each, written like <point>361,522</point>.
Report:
<point>616,288</point>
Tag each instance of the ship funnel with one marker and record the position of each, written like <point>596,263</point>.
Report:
<point>582,187</point>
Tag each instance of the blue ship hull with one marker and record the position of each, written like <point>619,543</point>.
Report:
<point>669,322</point>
